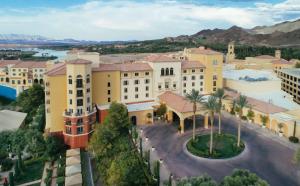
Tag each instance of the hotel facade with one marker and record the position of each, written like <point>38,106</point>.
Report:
<point>290,82</point>
<point>79,90</point>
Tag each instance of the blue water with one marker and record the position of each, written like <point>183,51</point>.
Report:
<point>7,92</point>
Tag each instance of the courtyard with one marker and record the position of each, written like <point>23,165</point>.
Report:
<point>268,158</point>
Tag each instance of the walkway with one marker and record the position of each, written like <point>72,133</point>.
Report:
<point>267,157</point>
<point>88,169</point>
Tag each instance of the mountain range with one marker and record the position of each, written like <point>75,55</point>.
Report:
<point>285,34</point>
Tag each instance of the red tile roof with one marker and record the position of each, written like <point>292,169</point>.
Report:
<point>204,51</point>
<point>124,67</point>
<point>191,64</point>
<point>58,69</point>
<point>30,64</point>
<point>160,58</point>
<point>176,102</point>
<point>258,105</point>
<point>4,63</point>
<point>282,61</point>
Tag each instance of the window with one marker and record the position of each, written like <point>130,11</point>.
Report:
<point>125,90</point>
<point>79,93</point>
<point>13,81</point>
<point>80,121</point>
<point>214,83</point>
<point>68,130</point>
<point>108,100</point>
<point>215,62</point>
<point>214,89</point>
<point>125,97</point>
<point>193,70</point>
<point>184,71</point>
<point>79,81</point>
<point>171,71</point>
<point>136,96</point>
<point>184,78</point>
<point>125,75</point>
<point>108,92</point>
<point>136,74</point>
<point>146,73</point>
<point>201,89</point>
<point>88,90</point>
<point>193,84</point>
<point>162,72</point>
<point>79,130</point>
<point>125,82</point>
<point>147,81</point>
<point>174,85</point>
<point>48,101</point>
<point>184,84</point>
<point>166,85</point>
<point>19,82</point>
<point>88,100</point>
<point>215,77</point>
<point>159,86</point>
<point>108,84</point>
<point>167,71</point>
<point>79,102</point>
<point>147,88</point>
<point>184,91</point>
<point>136,89</point>
<point>88,78</point>
<point>201,83</point>
<point>193,78</point>
<point>201,77</point>
<point>136,82</point>
<point>147,95</point>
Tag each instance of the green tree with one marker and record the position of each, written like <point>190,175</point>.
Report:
<point>141,147</point>
<point>264,119</point>
<point>18,140</point>
<point>156,170</point>
<point>194,97</point>
<point>18,171</point>
<point>241,103</point>
<point>161,110</point>
<point>250,114</point>
<point>54,146</point>
<point>11,179</point>
<point>220,95</point>
<point>211,106</point>
<point>297,65</point>
<point>35,142</point>
<point>197,181</point>
<point>243,177</point>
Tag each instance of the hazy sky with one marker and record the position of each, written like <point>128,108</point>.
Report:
<point>137,20</point>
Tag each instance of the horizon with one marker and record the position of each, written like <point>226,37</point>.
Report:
<point>138,20</point>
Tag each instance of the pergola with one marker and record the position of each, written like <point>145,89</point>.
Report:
<point>182,107</point>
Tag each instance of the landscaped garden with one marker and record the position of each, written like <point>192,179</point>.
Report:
<point>224,146</point>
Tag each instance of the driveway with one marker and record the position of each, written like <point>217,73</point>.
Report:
<point>267,158</point>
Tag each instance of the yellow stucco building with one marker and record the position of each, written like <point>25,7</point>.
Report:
<point>80,89</point>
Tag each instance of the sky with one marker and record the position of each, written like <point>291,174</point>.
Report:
<point>105,20</point>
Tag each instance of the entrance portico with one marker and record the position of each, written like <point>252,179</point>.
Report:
<point>182,107</point>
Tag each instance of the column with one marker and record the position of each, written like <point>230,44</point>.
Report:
<point>182,126</point>
<point>206,121</point>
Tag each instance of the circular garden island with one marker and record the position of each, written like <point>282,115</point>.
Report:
<point>224,146</point>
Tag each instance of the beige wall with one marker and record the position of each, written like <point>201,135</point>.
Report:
<point>141,117</point>
<point>100,88</point>
<point>54,110</point>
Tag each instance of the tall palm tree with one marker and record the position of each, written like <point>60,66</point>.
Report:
<point>211,106</point>
<point>220,95</point>
<point>194,97</point>
<point>241,102</point>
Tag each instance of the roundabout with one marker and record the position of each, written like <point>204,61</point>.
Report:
<point>224,146</point>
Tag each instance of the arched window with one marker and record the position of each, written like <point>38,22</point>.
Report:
<point>171,71</point>
<point>70,80</point>
<point>79,81</point>
<point>88,78</point>
<point>162,72</point>
<point>167,71</point>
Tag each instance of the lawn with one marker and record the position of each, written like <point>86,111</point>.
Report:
<point>33,171</point>
<point>224,146</point>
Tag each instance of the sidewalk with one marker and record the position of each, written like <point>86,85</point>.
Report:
<point>265,132</point>
<point>164,171</point>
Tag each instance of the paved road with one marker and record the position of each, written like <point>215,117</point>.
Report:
<point>266,157</point>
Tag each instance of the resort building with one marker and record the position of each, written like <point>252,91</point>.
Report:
<point>79,90</point>
<point>290,82</point>
<point>265,62</point>
<point>20,75</point>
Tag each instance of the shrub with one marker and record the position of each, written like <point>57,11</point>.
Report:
<point>244,118</point>
<point>6,164</point>
<point>294,139</point>
<point>60,181</point>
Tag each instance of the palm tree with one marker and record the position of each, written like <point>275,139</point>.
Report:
<point>264,119</point>
<point>194,97</point>
<point>241,102</point>
<point>211,106</point>
<point>220,95</point>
